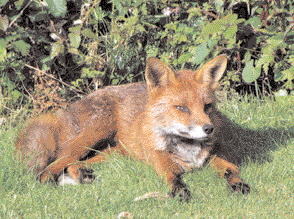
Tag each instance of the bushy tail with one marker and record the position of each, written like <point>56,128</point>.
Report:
<point>36,144</point>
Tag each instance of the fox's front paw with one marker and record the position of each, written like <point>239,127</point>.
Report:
<point>46,178</point>
<point>66,179</point>
<point>81,176</point>
<point>181,190</point>
<point>87,176</point>
<point>241,187</point>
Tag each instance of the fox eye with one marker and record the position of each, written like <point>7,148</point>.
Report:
<point>183,108</point>
<point>208,107</point>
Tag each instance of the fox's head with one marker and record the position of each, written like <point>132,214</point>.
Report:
<point>181,103</point>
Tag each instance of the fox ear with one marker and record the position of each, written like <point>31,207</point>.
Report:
<point>158,74</point>
<point>212,71</point>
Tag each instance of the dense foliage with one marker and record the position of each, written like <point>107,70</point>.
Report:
<point>52,49</point>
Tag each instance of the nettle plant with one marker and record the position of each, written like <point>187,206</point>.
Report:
<point>256,35</point>
<point>50,50</point>
<point>269,57</point>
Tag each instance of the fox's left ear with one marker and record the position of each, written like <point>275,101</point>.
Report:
<point>212,71</point>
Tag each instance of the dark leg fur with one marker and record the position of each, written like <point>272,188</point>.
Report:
<point>180,189</point>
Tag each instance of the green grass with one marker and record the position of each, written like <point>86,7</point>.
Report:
<point>263,146</point>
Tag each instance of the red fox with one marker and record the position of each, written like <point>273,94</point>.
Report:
<point>169,121</point>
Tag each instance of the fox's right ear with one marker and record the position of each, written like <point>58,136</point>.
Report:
<point>158,74</point>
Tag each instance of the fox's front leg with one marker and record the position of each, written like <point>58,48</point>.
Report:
<point>230,172</point>
<point>80,171</point>
<point>54,169</point>
<point>171,171</point>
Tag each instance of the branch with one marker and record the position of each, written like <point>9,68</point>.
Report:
<point>20,13</point>
<point>50,76</point>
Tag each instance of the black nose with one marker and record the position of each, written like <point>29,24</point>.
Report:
<point>208,128</point>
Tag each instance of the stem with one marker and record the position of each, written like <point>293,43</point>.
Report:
<point>20,13</point>
<point>50,76</point>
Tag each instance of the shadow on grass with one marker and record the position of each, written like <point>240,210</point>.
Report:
<point>255,145</point>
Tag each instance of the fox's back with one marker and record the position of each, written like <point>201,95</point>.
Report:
<point>120,103</point>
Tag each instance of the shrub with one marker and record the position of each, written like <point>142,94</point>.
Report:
<point>52,50</point>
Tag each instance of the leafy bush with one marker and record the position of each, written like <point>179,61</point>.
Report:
<point>59,49</point>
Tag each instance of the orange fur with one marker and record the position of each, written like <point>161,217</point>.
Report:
<point>170,121</point>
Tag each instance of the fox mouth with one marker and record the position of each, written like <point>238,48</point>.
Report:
<point>184,136</point>
<point>188,139</point>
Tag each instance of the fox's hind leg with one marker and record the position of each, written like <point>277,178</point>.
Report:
<point>36,144</point>
<point>71,152</point>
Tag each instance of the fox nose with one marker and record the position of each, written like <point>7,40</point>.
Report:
<point>208,128</point>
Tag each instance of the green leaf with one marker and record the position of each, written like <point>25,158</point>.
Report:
<point>230,32</point>
<point>45,67</point>
<point>219,5</point>
<point>278,74</point>
<point>3,2</point>
<point>56,49</point>
<point>273,43</point>
<point>4,23</point>
<point>12,38</point>
<point>88,33</point>
<point>45,60</point>
<point>3,43</point>
<point>89,74</point>
<point>77,82</point>
<point>144,9</point>
<point>287,74</point>
<point>57,7</point>
<point>41,16</point>
<point>250,73</point>
<point>75,28</point>
<point>200,53</point>
<point>265,59</point>
<point>3,51</point>
<point>152,52</point>
<point>3,54</point>
<point>182,38</point>
<point>74,51</point>
<point>18,4</point>
<point>231,18</point>
<point>15,95</point>
<point>211,43</point>
<point>255,22</point>
<point>21,46</point>
<point>184,57</point>
<point>194,12</point>
<point>214,27</point>
<point>85,72</point>
<point>75,39</point>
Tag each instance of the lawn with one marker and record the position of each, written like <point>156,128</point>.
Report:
<point>262,145</point>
